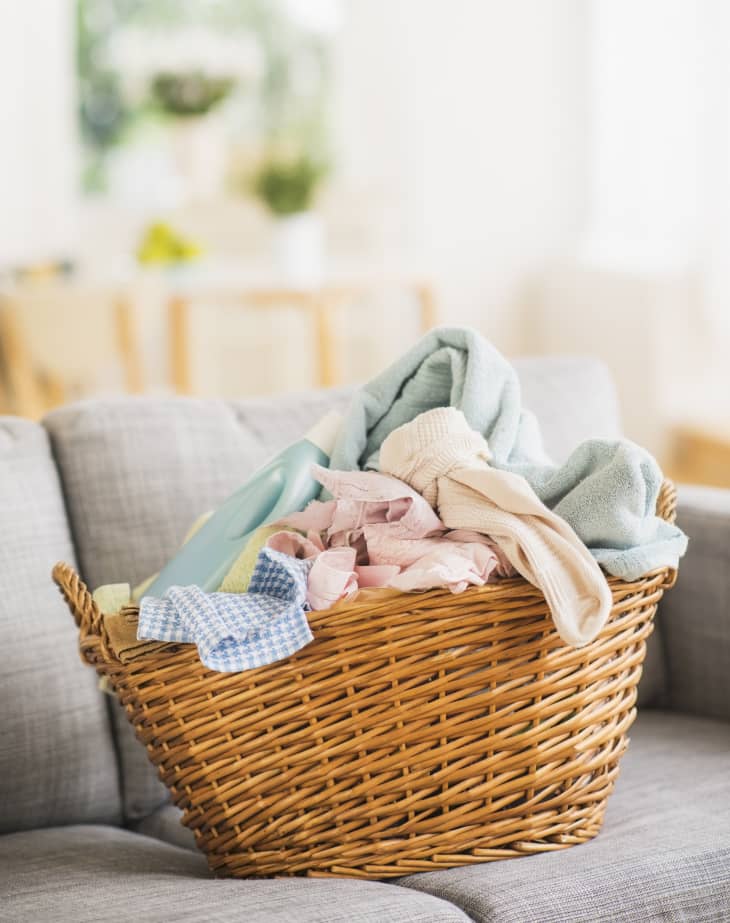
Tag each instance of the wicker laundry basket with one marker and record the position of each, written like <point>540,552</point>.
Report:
<point>417,732</point>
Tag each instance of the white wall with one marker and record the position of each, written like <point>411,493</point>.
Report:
<point>37,124</point>
<point>470,120</point>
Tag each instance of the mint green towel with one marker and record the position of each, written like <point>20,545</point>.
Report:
<point>606,490</point>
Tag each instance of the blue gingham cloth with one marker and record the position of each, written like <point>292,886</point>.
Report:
<point>236,631</point>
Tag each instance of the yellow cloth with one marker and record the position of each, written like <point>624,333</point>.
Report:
<point>239,576</point>
<point>111,597</point>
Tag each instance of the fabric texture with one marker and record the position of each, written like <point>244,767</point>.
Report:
<point>448,462</point>
<point>695,614</point>
<point>236,631</point>
<point>379,531</point>
<point>238,578</point>
<point>122,631</point>
<point>142,789</point>
<point>663,854</point>
<point>87,874</point>
<point>165,824</point>
<point>57,761</point>
<point>113,601</point>
<point>606,491</point>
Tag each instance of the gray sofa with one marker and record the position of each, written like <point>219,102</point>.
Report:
<point>87,831</point>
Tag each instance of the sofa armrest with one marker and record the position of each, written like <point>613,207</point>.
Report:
<point>695,615</point>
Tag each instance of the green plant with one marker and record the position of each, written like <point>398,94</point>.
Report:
<point>288,185</point>
<point>189,94</point>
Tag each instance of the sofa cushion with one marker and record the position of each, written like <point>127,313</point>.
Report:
<point>166,824</point>
<point>695,615</point>
<point>57,762</point>
<point>573,397</point>
<point>664,852</point>
<point>84,874</point>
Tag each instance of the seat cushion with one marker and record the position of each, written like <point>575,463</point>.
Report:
<point>695,616</point>
<point>166,824</point>
<point>57,761</point>
<point>664,852</point>
<point>88,873</point>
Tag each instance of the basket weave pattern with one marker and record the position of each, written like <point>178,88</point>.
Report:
<point>417,732</point>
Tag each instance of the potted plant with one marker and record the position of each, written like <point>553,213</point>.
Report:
<point>189,98</point>
<point>287,185</point>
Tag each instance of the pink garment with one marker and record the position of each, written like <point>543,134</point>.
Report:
<point>295,544</point>
<point>378,531</point>
<point>332,577</point>
<point>363,498</point>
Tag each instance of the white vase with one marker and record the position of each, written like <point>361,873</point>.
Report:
<point>298,248</point>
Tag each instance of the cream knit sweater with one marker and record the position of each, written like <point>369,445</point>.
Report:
<point>441,457</point>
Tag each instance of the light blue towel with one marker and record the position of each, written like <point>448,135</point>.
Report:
<point>606,490</point>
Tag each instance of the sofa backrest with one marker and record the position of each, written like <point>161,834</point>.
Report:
<point>136,472</point>
<point>57,759</point>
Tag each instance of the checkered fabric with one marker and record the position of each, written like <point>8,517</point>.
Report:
<point>237,631</point>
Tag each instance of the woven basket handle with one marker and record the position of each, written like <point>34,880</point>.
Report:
<point>92,634</point>
<point>666,508</point>
<point>666,504</point>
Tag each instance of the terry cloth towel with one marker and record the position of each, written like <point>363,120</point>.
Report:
<point>237,631</point>
<point>122,631</point>
<point>379,531</point>
<point>607,490</point>
<point>121,623</point>
<point>442,457</point>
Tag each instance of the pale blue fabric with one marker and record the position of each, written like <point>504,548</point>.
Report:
<point>606,490</point>
<point>236,631</point>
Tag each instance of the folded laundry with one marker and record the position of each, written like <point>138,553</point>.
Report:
<point>121,628</point>
<point>606,490</point>
<point>237,631</point>
<point>442,457</point>
<point>113,600</point>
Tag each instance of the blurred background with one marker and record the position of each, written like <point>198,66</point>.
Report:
<point>238,197</point>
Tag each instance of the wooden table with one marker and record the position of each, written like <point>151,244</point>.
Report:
<point>319,303</point>
<point>29,388</point>
<point>700,454</point>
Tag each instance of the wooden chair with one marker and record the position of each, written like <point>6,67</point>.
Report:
<point>55,338</point>
<point>319,304</point>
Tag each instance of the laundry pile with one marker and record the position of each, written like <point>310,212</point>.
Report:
<point>438,478</point>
